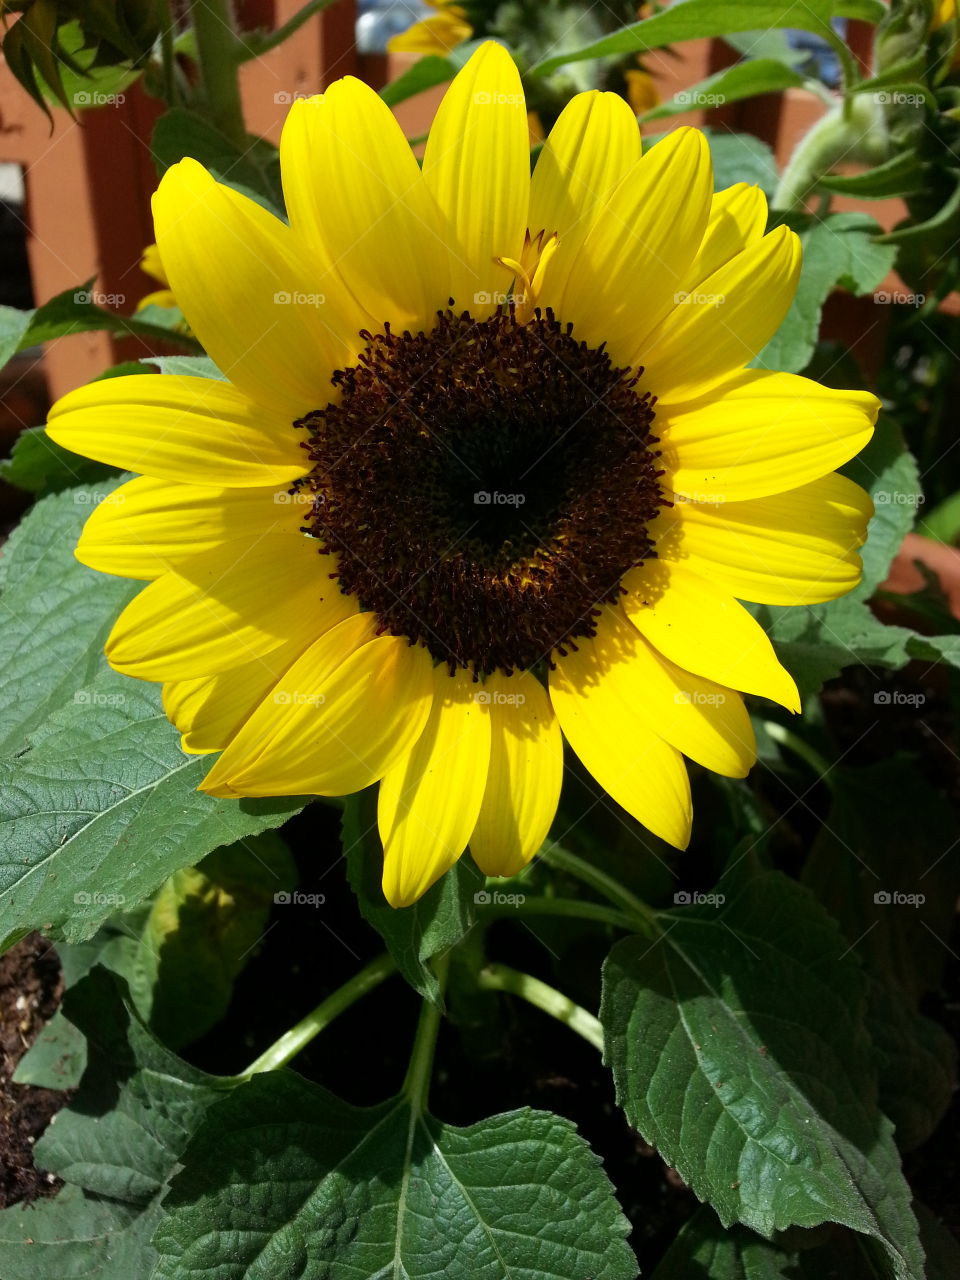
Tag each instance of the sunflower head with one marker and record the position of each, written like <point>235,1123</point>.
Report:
<point>487,471</point>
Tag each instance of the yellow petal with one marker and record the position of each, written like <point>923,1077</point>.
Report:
<point>477,166</point>
<point>346,711</point>
<point>348,141</point>
<point>248,292</point>
<point>226,607</point>
<point>593,145</point>
<point>703,629</point>
<point>148,526</point>
<point>704,720</point>
<point>635,766</point>
<point>429,799</point>
<point>627,273</point>
<point>760,433</point>
<point>187,429</point>
<point>525,776</point>
<point>792,548</point>
<point>209,711</point>
<point>738,218</point>
<point>721,325</point>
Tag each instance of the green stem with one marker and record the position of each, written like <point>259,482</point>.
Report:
<point>851,131</point>
<point>416,1086</point>
<point>298,1037</point>
<point>262,42</point>
<point>564,860</point>
<point>169,60</point>
<point>219,54</point>
<point>500,977</point>
<point>575,907</point>
<point>793,742</point>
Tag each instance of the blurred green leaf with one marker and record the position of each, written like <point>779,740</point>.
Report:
<point>898,176</point>
<point>254,169</point>
<point>745,80</point>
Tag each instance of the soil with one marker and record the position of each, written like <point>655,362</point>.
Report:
<point>30,989</point>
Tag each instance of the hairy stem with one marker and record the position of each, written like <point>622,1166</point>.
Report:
<point>219,54</point>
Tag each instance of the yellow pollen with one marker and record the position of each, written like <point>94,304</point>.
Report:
<point>530,271</point>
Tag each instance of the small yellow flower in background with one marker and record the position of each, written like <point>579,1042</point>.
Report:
<point>151,265</point>
<point>944,13</point>
<point>437,34</point>
<point>489,472</point>
<point>642,92</point>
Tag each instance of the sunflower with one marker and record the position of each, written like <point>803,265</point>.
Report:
<point>151,265</point>
<point>486,471</point>
<point>436,34</point>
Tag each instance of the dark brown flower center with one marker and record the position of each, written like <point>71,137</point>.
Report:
<point>485,486</point>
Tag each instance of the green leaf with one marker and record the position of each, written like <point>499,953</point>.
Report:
<point>202,925</point>
<point>698,19</point>
<point>116,1144</point>
<point>704,1248</point>
<point>99,805</point>
<point>874,843</point>
<point>188,366</point>
<point>745,80</point>
<point>838,251</point>
<point>888,471</point>
<point>57,615</point>
<point>917,1064</point>
<point>872,11</point>
<point>434,923</point>
<point>426,73</point>
<point>78,311</point>
<point>898,176</point>
<point>39,465</point>
<point>942,522</point>
<point>738,1049</point>
<point>13,325</point>
<point>254,170</point>
<point>286,1180</point>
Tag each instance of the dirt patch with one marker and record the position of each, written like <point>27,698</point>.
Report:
<point>30,989</point>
